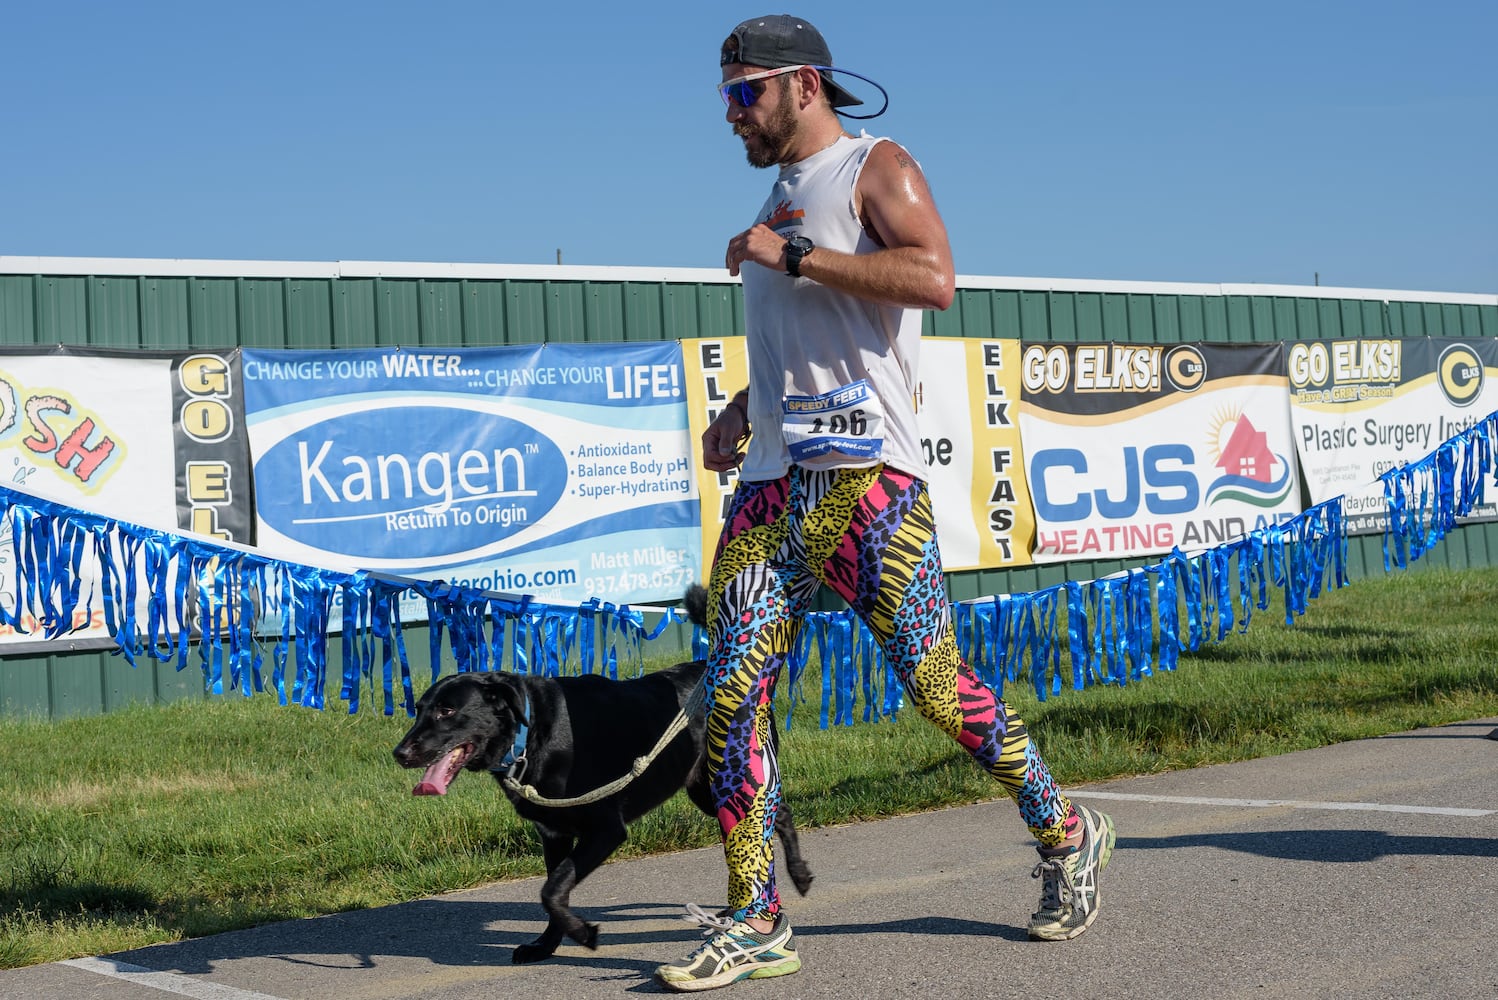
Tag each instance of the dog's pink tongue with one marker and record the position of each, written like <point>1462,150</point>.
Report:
<point>428,788</point>
<point>438,776</point>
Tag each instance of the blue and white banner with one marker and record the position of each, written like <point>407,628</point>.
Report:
<point>558,471</point>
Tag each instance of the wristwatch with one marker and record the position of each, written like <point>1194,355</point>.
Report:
<point>796,249</point>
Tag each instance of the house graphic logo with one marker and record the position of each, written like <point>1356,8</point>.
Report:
<point>1251,472</point>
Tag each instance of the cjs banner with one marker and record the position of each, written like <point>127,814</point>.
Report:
<point>1135,450</point>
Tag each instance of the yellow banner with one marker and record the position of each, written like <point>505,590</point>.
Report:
<point>714,370</point>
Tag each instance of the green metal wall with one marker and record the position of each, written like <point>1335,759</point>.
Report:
<point>153,304</point>
<point>187,312</point>
<point>173,313</point>
<point>1146,317</point>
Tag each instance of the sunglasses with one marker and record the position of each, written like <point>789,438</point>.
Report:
<point>742,90</point>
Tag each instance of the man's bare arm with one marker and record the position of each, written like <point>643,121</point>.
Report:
<point>914,265</point>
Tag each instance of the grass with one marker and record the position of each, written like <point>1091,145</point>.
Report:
<point>157,824</point>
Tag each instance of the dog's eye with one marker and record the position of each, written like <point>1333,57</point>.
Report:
<point>445,712</point>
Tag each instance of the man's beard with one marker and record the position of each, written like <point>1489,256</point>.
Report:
<point>766,145</point>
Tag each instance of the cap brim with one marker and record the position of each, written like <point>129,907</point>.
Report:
<point>837,96</point>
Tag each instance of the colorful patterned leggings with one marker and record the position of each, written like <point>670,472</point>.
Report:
<point>869,534</point>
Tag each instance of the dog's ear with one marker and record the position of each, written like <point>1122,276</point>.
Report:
<point>503,692</point>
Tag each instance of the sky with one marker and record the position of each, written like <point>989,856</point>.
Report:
<point>1350,144</point>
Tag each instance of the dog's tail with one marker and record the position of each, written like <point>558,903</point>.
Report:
<point>695,600</point>
<point>696,604</point>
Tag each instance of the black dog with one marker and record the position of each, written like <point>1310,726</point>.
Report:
<point>567,737</point>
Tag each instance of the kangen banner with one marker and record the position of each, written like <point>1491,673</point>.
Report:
<point>1136,449</point>
<point>559,471</point>
<point>1363,407</point>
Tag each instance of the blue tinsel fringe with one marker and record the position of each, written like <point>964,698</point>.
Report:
<point>253,619</point>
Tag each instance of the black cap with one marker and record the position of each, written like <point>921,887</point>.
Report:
<point>777,40</point>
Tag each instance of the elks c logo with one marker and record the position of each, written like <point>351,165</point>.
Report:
<point>1460,374</point>
<point>1185,368</point>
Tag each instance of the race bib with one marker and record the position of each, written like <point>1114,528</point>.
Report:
<point>848,421</point>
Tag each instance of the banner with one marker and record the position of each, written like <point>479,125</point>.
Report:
<point>558,471</point>
<point>716,369</point>
<point>1364,407</point>
<point>967,406</point>
<point>1137,449</point>
<point>213,451</point>
<point>155,437</point>
<point>966,395</point>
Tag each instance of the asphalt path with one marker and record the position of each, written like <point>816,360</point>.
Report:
<point>1362,870</point>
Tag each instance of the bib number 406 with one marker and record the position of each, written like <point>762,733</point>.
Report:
<point>855,423</point>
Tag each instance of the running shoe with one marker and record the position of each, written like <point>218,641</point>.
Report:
<point>1069,890</point>
<point>733,952</point>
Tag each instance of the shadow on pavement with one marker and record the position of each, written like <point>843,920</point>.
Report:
<point>1347,846</point>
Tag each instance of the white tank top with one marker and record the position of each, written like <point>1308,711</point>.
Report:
<point>832,377</point>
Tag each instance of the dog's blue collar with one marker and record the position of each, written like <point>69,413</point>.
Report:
<point>513,763</point>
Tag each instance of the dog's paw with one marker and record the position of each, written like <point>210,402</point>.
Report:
<point>525,954</point>
<point>586,935</point>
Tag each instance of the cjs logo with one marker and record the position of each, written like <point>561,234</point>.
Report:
<point>60,432</point>
<point>1162,479</point>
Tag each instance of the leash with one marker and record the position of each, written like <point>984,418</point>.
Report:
<point>513,785</point>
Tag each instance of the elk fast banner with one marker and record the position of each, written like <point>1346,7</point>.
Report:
<point>965,404</point>
<point>1136,449</point>
<point>1364,407</point>
<point>716,368</point>
<point>557,471</point>
<point>156,439</point>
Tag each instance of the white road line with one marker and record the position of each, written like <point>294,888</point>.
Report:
<point>167,982</point>
<point>1192,800</point>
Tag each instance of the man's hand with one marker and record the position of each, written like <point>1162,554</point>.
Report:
<point>721,440</point>
<point>761,244</point>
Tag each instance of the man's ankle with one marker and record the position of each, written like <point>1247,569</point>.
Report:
<point>1071,845</point>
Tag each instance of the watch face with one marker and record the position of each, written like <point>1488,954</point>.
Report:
<point>796,247</point>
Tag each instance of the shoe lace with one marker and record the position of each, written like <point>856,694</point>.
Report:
<point>1057,889</point>
<point>712,923</point>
